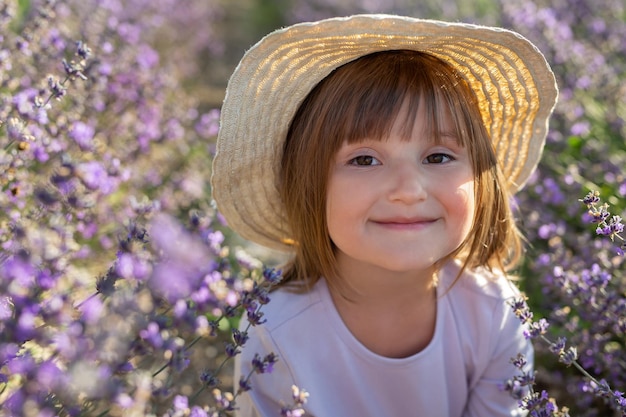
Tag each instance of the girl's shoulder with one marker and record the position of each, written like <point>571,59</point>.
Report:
<point>479,304</point>
<point>478,282</point>
<point>287,303</point>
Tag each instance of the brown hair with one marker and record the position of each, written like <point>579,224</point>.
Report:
<point>361,100</point>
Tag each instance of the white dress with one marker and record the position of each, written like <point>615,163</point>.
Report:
<point>459,374</point>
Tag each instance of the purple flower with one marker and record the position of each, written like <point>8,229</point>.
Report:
<point>185,262</point>
<point>6,311</point>
<point>49,375</point>
<point>536,329</point>
<point>289,412</point>
<point>520,361</point>
<point>147,57</point>
<point>91,310</point>
<point>568,356</point>
<point>202,296</point>
<point>215,240</point>
<point>65,211</point>
<point>129,266</point>
<point>26,328</point>
<point>95,177</point>
<point>57,89</point>
<point>265,364</point>
<point>70,343</point>
<point>181,402</point>
<point>599,214</point>
<point>616,225</point>
<point>173,280</point>
<point>22,365</point>
<point>558,346</point>
<point>180,308</point>
<point>174,130</point>
<point>180,358</point>
<point>15,401</point>
<point>515,389</point>
<point>208,125</point>
<point>522,311</point>
<point>232,350</point>
<point>244,384</point>
<point>152,334</point>
<point>83,135</point>
<point>272,275</point>
<point>224,401</point>
<point>209,379</point>
<point>8,352</point>
<point>620,400</point>
<point>255,317</point>
<point>546,231</point>
<point>124,400</point>
<point>73,70</point>
<point>240,337</point>
<point>197,412</point>
<point>130,33</point>
<point>19,270</point>
<point>300,398</point>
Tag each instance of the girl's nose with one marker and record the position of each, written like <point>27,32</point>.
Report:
<point>407,184</point>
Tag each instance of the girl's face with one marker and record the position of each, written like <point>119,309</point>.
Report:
<point>400,205</point>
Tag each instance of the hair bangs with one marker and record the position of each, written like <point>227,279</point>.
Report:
<point>372,101</point>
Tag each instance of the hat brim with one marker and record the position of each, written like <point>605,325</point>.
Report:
<point>515,86</point>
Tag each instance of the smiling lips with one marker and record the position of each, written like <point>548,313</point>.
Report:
<point>404,223</point>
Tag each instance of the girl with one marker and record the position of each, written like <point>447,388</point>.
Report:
<point>382,151</point>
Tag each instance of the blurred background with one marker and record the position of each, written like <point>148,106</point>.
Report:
<point>243,22</point>
<point>128,132</point>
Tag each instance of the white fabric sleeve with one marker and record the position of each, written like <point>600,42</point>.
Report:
<point>268,389</point>
<point>486,396</point>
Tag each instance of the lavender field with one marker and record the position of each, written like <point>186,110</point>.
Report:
<point>120,284</point>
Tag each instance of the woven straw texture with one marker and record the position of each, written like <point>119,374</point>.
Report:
<point>514,84</point>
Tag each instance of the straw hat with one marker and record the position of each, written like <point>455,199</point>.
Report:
<point>515,87</point>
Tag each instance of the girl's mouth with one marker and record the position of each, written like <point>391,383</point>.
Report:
<point>405,223</point>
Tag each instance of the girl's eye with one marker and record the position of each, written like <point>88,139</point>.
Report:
<point>364,160</point>
<point>438,158</point>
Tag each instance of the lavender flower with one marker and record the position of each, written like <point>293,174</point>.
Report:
<point>539,404</point>
<point>265,364</point>
<point>299,397</point>
<point>100,140</point>
<point>520,387</point>
<point>105,287</point>
<point>572,278</point>
<point>608,225</point>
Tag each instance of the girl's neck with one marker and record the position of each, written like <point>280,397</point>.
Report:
<point>400,306</point>
<point>360,283</point>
